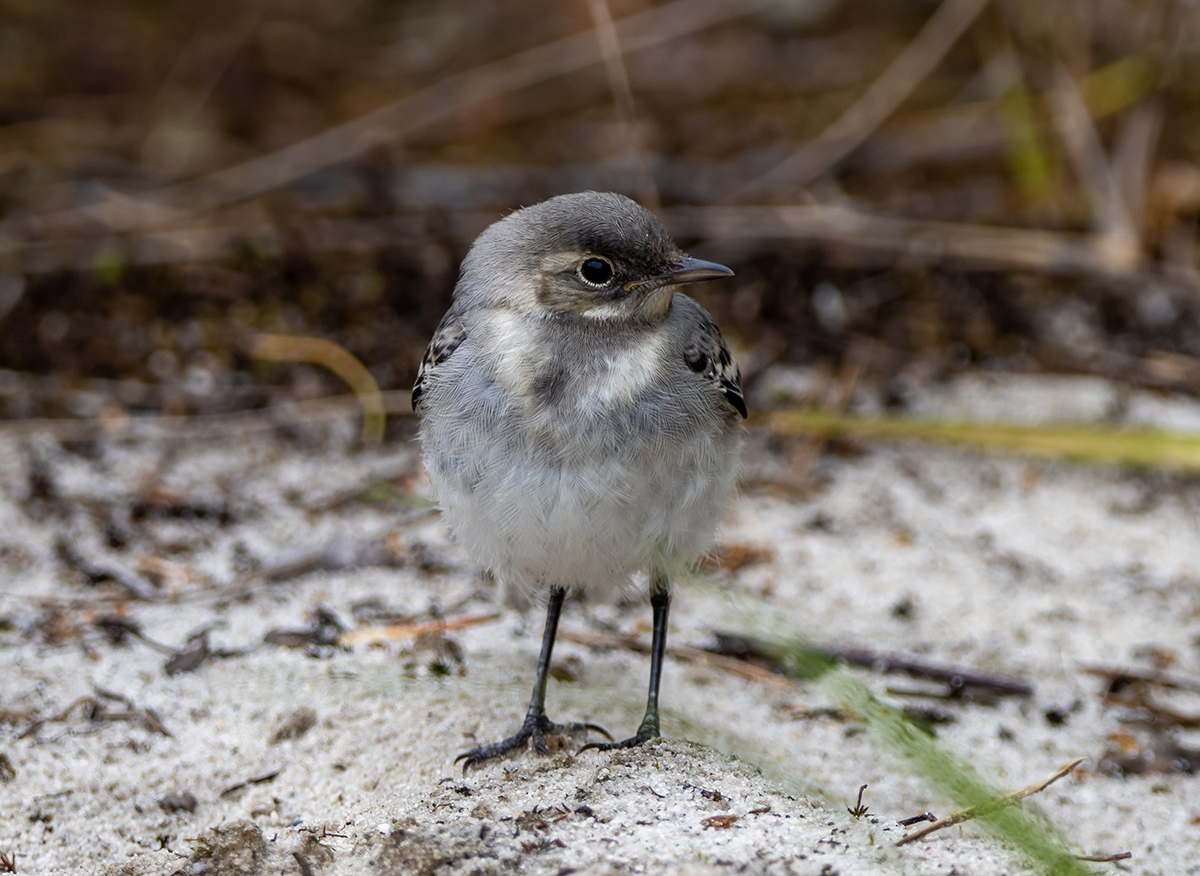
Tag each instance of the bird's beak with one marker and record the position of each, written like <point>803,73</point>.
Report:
<point>689,270</point>
<point>654,293</point>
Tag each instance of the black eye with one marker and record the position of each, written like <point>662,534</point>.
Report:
<point>596,271</point>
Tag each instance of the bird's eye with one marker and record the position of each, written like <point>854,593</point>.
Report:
<point>596,271</point>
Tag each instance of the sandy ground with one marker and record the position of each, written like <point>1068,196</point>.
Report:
<point>994,564</point>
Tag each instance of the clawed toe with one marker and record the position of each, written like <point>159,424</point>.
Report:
<point>535,728</point>
<point>631,742</point>
<point>577,728</point>
<point>480,753</point>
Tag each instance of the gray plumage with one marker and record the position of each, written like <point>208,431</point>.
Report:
<point>577,433</point>
<point>580,419</point>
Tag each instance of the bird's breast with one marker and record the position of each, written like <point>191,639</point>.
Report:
<point>620,376</point>
<point>546,372</point>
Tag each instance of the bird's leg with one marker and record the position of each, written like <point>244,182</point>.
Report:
<point>536,725</point>
<point>660,604</point>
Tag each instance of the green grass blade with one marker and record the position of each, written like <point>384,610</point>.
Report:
<point>1134,447</point>
<point>951,775</point>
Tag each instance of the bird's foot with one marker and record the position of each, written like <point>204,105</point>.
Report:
<point>536,728</point>
<point>631,742</point>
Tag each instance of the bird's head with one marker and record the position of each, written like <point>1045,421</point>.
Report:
<point>592,254</point>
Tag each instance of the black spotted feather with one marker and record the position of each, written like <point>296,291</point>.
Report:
<point>708,356</point>
<point>445,341</point>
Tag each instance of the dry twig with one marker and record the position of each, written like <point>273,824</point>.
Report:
<point>1123,674</point>
<point>1110,215</point>
<point>913,64</point>
<point>410,631</point>
<point>387,124</point>
<point>223,426</point>
<point>958,681</point>
<point>338,553</point>
<point>837,398</point>
<point>1105,859</point>
<point>339,360</point>
<point>980,246</point>
<point>1133,153</point>
<point>618,79</point>
<point>682,652</point>
<point>95,709</point>
<point>869,237</point>
<point>984,808</point>
<point>1145,711</point>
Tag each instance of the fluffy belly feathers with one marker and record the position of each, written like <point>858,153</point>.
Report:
<point>584,524</point>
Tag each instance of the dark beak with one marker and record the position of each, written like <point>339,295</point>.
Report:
<point>689,270</point>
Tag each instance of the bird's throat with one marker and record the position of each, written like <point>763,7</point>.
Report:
<point>656,305</point>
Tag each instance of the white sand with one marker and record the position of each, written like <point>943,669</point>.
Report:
<point>1013,567</point>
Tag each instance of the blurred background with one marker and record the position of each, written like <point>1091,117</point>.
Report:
<point>907,191</point>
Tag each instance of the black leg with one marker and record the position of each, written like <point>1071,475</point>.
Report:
<point>536,725</point>
<point>537,702</point>
<point>660,604</point>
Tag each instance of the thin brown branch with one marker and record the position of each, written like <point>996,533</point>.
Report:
<point>335,555</point>
<point>1150,676</point>
<point>207,56</point>
<point>1133,154</point>
<point>1146,711</point>
<point>1105,859</point>
<point>984,808</point>
<point>394,121</point>
<point>865,235</point>
<point>912,65</point>
<point>744,649</point>
<point>411,631</point>
<point>915,240</point>
<point>618,80</point>
<point>95,709</point>
<point>339,360</point>
<point>959,132</point>
<point>394,402</point>
<point>200,241</point>
<point>1110,216</point>
<point>837,397</point>
<point>682,652</point>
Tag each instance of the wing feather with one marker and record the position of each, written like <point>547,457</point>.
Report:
<point>448,337</point>
<point>708,356</point>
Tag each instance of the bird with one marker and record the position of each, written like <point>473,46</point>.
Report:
<point>580,420</point>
